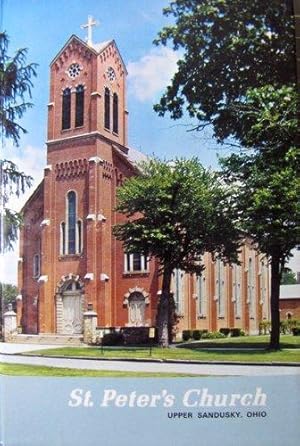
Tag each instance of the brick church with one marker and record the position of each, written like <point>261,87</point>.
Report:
<point>69,260</point>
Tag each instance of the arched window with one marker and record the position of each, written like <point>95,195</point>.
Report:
<point>202,296</point>
<point>251,289</point>
<point>107,108</point>
<point>178,290</point>
<point>237,287</point>
<point>71,222</point>
<point>71,240</point>
<point>115,113</point>
<point>66,109</point>
<point>220,288</point>
<point>79,115</point>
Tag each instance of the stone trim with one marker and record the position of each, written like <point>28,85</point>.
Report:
<point>136,290</point>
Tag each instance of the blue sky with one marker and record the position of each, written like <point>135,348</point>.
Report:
<point>43,26</point>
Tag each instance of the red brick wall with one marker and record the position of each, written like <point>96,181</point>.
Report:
<point>289,306</point>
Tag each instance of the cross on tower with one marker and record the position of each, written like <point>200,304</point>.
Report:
<point>91,22</point>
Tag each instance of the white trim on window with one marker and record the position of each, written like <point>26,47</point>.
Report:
<point>135,263</point>
<point>202,295</point>
<point>220,288</point>
<point>178,289</point>
<point>64,228</point>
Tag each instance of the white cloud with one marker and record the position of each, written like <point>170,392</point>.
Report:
<point>152,73</point>
<point>31,161</point>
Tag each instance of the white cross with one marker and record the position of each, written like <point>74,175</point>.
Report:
<point>91,22</point>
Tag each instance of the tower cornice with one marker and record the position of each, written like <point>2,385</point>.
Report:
<point>83,137</point>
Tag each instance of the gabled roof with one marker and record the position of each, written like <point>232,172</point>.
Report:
<point>133,157</point>
<point>95,48</point>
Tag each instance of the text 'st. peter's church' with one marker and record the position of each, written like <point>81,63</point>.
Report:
<point>69,259</point>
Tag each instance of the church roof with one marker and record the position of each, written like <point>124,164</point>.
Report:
<point>135,156</point>
<point>95,48</point>
<point>132,156</point>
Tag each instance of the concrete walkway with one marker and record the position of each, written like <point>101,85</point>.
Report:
<point>7,348</point>
<point>159,367</point>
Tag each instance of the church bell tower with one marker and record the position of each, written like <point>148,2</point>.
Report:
<point>88,91</point>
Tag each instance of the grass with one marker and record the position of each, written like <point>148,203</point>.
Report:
<point>287,341</point>
<point>201,351</point>
<point>33,370</point>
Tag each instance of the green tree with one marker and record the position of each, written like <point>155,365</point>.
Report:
<point>8,295</point>
<point>266,182</point>
<point>174,214</point>
<point>238,74</point>
<point>229,46</point>
<point>15,87</point>
<point>288,277</point>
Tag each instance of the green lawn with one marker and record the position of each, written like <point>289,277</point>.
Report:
<point>201,351</point>
<point>33,370</point>
<point>286,341</point>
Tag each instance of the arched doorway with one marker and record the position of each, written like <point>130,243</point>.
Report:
<point>136,310</point>
<point>69,307</point>
<point>136,301</point>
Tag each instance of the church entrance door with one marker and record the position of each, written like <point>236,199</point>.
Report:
<point>136,310</point>
<point>72,310</point>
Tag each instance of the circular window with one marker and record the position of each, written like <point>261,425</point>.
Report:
<point>111,74</point>
<point>74,70</point>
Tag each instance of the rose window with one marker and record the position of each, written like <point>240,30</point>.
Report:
<point>74,70</point>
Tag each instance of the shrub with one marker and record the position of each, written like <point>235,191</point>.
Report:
<point>213,335</point>
<point>284,327</point>
<point>136,335</point>
<point>112,339</point>
<point>293,323</point>
<point>197,334</point>
<point>296,331</point>
<point>236,332</point>
<point>225,331</point>
<point>264,327</point>
<point>187,335</point>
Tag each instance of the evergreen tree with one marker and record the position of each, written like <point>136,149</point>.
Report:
<point>15,87</point>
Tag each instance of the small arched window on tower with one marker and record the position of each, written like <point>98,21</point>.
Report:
<point>107,108</point>
<point>66,109</point>
<point>79,114</point>
<point>115,113</point>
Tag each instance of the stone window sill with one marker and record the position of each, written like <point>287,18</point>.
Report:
<point>70,256</point>
<point>136,273</point>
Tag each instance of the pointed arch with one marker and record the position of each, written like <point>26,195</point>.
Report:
<point>66,109</point>
<point>79,106</point>
<point>115,113</point>
<point>107,108</point>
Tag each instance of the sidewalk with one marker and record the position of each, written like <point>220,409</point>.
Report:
<point>10,349</point>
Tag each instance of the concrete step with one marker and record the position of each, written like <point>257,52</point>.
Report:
<point>51,339</point>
